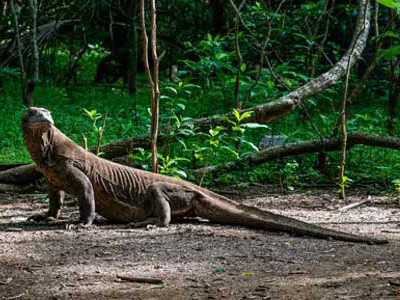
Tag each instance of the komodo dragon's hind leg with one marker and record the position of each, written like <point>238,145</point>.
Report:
<point>56,199</point>
<point>156,205</point>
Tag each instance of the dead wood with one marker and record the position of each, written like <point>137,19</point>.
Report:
<point>292,149</point>
<point>125,147</point>
<point>16,189</point>
<point>141,279</point>
<point>20,175</point>
<point>354,205</point>
<point>4,167</point>
<point>27,173</point>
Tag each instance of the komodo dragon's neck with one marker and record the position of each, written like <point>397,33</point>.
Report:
<point>38,137</point>
<point>46,143</point>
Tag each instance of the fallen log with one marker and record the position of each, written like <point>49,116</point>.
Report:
<point>141,279</point>
<point>292,149</point>
<point>27,173</point>
<point>20,175</point>
<point>4,167</point>
<point>17,189</point>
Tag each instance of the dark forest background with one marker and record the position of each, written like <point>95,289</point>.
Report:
<point>84,59</point>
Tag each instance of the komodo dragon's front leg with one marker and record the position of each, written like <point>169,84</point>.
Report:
<point>75,182</point>
<point>70,179</point>
<point>66,177</point>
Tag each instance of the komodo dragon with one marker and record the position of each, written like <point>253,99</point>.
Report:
<point>127,195</point>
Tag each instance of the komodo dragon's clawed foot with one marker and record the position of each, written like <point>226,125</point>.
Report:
<point>148,224</point>
<point>79,226</point>
<point>42,219</point>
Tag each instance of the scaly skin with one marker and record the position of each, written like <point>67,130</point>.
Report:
<point>127,195</point>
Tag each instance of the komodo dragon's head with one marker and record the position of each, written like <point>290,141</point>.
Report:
<point>37,114</point>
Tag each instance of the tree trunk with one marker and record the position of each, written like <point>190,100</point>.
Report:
<point>26,100</point>
<point>35,49</point>
<point>218,16</point>
<point>133,50</point>
<point>393,97</point>
<point>153,78</point>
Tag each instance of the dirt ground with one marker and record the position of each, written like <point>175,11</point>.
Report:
<point>198,260</point>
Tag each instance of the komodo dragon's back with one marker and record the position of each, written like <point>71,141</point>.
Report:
<point>124,194</point>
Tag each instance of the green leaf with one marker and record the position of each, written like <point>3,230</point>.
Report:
<point>182,142</point>
<point>238,128</point>
<point>177,121</point>
<point>221,55</point>
<point>190,85</point>
<point>213,132</point>
<point>170,88</point>
<point>390,3</point>
<point>181,106</point>
<point>216,130</point>
<point>181,173</point>
<point>236,114</point>
<point>198,156</point>
<point>236,154</point>
<point>245,115</point>
<point>225,118</point>
<point>254,147</point>
<point>186,132</point>
<point>214,142</point>
<point>86,111</point>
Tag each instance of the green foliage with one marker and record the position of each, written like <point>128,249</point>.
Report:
<point>169,166</point>
<point>289,174</point>
<point>6,73</point>
<point>389,53</point>
<point>298,49</point>
<point>94,116</point>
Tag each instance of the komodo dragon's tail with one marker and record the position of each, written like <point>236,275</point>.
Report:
<point>228,212</point>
